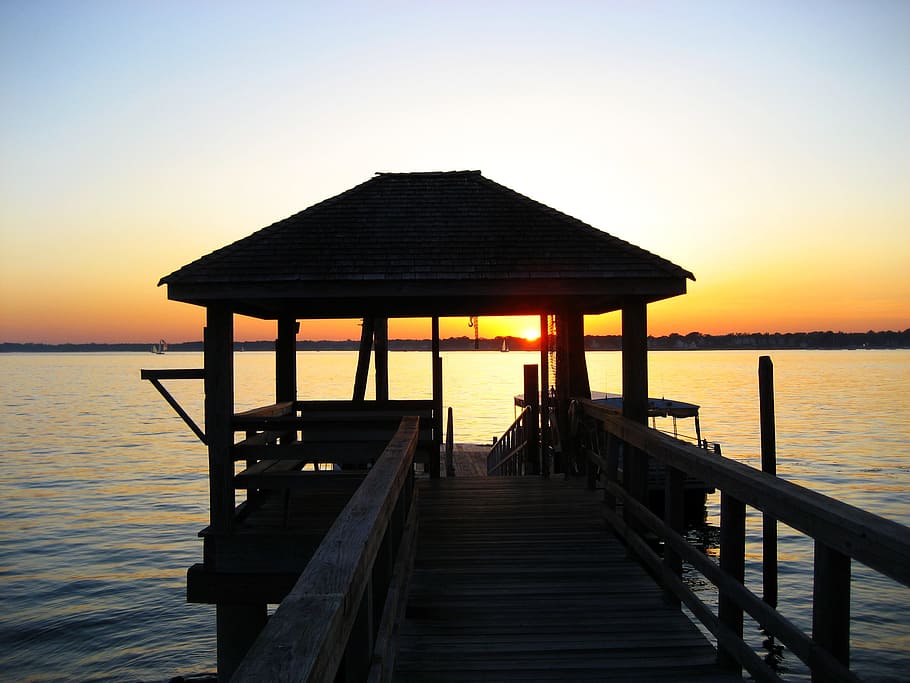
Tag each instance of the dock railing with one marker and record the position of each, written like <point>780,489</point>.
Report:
<point>339,620</point>
<point>840,531</point>
<point>512,454</point>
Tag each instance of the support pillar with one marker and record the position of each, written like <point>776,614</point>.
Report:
<point>381,351</point>
<point>544,397</point>
<point>363,360</point>
<point>218,357</point>
<point>286,360</point>
<point>238,627</point>
<point>635,391</point>
<point>437,406</point>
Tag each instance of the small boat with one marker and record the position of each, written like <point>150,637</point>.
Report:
<point>505,345</point>
<point>159,348</point>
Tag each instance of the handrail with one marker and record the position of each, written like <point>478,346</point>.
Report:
<point>329,617</point>
<point>504,456</point>
<point>840,531</point>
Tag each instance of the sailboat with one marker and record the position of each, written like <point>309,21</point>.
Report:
<point>505,345</point>
<point>159,348</point>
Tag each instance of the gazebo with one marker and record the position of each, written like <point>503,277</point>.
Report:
<point>408,245</point>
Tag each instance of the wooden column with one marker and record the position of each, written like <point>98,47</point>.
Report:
<point>544,397</point>
<point>635,391</point>
<point>831,603</point>
<point>363,360</point>
<point>573,324</point>
<point>532,399</point>
<point>769,465</point>
<point>733,563</point>
<point>219,410</point>
<point>571,373</point>
<point>381,351</point>
<point>286,360</point>
<point>437,406</point>
<point>238,626</point>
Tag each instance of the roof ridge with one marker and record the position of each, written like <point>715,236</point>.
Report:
<point>426,173</point>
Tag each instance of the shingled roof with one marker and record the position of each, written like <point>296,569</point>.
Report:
<point>421,244</point>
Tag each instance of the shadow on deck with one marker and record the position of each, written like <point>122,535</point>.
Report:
<point>517,579</point>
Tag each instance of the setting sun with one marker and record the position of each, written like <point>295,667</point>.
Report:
<point>531,334</point>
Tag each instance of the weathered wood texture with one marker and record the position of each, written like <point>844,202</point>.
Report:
<point>516,579</point>
<point>327,618</point>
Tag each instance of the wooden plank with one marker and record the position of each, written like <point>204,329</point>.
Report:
<point>172,373</point>
<point>517,579</point>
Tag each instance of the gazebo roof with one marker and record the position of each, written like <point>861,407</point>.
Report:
<point>424,244</point>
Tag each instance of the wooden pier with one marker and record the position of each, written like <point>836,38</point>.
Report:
<point>384,569</point>
<point>517,579</point>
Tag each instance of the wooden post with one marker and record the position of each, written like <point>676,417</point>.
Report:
<point>769,465</point>
<point>238,626</point>
<point>450,445</point>
<point>286,360</point>
<point>831,603</point>
<point>363,360</point>
<point>674,517</point>
<point>635,392</point>
<point>437,404</point>
<point>532,399</point>
<point>219,411</point>
<point>733,563</point>
<point>358,654</point>
<point>544,397</point>
<point>381,351</point>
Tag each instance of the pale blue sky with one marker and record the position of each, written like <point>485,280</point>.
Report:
<point>752,143</point>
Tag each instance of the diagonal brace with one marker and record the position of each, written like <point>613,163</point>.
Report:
<point>155,377</point>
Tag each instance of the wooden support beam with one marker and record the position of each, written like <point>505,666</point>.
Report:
<point>532,400</point>
<point>363,360</point>
<point>544,396</point>
<point>732,563</point>
<point>769,465</point>
<point>831,603</point>
<point>635,361</point>
<point>219,409</point>
<point>381,351</point>
<point>635,391</point>
<point>286,360</point>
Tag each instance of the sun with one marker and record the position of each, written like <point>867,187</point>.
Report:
<point>531,334</point>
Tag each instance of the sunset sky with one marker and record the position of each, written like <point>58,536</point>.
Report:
<point>764,146</point>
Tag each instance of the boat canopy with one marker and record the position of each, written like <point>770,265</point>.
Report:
<point>657,407</point>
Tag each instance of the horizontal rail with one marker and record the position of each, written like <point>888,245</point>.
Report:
<point>328,615</point>
<point>879,543</point>
<point>840,531</point>
<point>510,446</point>
<point>172,373</point>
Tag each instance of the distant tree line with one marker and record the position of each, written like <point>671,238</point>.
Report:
<point>671,342</point>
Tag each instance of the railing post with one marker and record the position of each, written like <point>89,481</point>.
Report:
<point>769,465</point>
<point>613,447</point>
<point>532,429</point>
<point>831,603</point>
<point>358,654</point>
<point>674,514</point>
<point>732,562</point>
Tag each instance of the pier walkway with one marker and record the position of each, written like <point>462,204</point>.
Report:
<point>517,578</point>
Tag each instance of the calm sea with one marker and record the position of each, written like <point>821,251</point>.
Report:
<point>104,489</point>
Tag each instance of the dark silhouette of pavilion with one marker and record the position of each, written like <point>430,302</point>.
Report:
<point>406,245</point>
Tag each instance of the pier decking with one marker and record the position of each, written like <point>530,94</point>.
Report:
<point>518,579</point>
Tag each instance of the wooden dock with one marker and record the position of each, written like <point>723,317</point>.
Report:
<point>516,578</point>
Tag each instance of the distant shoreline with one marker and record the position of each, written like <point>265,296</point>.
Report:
<point>673,342</point>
